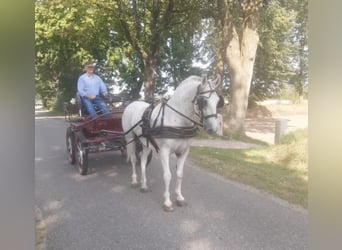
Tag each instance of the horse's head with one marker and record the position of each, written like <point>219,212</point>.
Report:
<point>207,101</point>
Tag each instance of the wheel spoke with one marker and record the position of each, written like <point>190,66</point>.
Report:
<point>82,160</point>
<point>80,153</point>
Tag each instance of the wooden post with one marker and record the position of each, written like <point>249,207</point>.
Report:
<point>280,130</point>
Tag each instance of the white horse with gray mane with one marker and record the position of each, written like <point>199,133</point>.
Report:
<point>168,127</point>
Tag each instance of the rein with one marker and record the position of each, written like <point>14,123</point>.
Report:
<point>171,132</point>
<point>181,114</point>
<point>166,131</point>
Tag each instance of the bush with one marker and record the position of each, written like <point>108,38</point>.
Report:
<point>294,136</point>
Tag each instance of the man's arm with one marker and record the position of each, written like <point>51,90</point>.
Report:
<point>103,87</point>
<point>80,84</point>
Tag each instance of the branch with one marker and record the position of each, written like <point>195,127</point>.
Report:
<point>130,36</point>
<point>136,19</point>
<point>157,30</point>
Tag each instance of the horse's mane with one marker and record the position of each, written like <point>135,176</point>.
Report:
<point>187,81</point>
<point>190,79</point>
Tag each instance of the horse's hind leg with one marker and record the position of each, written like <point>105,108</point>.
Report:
<point>180,200</point>
<point>131,156</point>
<point>143,163</point>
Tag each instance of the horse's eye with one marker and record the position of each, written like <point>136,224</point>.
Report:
<point>220,102</point>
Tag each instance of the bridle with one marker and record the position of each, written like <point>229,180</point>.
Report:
<point>201,101</point>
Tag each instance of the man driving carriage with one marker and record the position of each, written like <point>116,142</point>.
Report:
<point>90,89</point>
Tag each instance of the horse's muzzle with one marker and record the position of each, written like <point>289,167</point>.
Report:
<point>210,131</point>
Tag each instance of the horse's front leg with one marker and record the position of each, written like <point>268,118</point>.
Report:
<point>180,200</point>
<point>165,159</point>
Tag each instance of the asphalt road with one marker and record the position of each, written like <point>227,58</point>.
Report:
<point>101,211</point>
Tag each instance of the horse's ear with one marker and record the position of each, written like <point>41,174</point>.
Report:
<point>217,82</point>
<point>204,81</point>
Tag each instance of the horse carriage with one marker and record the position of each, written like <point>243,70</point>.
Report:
<point>165,127</point>
<point>103,133</point>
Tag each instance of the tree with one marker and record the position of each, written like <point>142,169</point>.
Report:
<point>158,36</point>
<point>180,47</point>
<point>239,20</point>
<point>143,25</point>
<point>300,38</point>
<point>134,43</point>
<point>153,43</point>
<point>282,53</point>
<point>67,33</point>
<point>273,65</point>
<point>253,51</point>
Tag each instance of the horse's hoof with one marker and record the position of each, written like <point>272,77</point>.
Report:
<point>181,203</point>
<point>143,190</point>
<point>134,185</point>
<point>168,208</point>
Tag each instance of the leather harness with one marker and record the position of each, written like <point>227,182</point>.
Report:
<point>172,132</point>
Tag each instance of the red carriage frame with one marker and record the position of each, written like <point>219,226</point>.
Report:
<point>103,133</point>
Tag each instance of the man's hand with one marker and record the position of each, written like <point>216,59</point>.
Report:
<point>90,96</point>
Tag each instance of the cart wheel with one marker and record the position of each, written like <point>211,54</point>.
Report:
<point>70,145</point>
<point>81,156</point>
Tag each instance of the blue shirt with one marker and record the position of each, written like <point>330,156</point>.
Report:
<point>90,85</point>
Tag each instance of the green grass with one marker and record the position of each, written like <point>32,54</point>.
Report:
<point>279,169</point>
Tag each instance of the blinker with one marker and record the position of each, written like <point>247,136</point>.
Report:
<point>201,103</point>
<point>220,102</point>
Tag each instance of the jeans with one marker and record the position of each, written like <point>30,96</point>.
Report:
<point>89,105</point>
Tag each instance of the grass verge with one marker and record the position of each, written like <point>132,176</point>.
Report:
<point>244,138</point>
<point>280,169</point>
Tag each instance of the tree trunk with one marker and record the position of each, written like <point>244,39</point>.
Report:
<point>240,57</point>
<point>219,64</point>
<point>240,64</point>
<point>149,77</point>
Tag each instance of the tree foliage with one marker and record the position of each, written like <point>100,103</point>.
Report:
<point>159,34</point>
<point>273,65</point>
<point>299,36</point>
<point>154,44</point>
<point>283,52</point>
<point>67,33</point>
